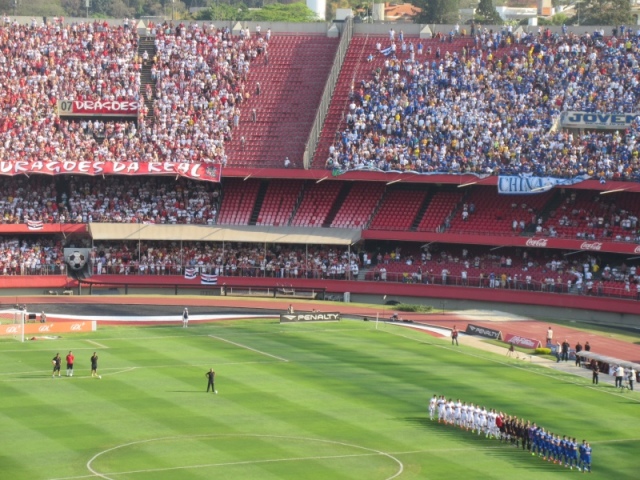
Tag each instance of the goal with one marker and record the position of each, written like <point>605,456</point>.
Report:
<point>12,322</point>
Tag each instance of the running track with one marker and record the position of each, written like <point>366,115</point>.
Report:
<point>601,344</point>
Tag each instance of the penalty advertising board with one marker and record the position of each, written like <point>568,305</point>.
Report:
<point>310,317</point>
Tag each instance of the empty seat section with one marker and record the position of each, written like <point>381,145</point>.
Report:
<point>398,210</point>
<point>494,215</point>
<point>316,203</point>
<point>359,205</point>
<point>440,206</point>
<point>279,202</point>
<point>238,200</point>
<point>291,86</point>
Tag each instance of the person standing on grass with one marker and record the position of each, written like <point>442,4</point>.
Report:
<point>631,377</point>
<point>94,365</point>
<point>56,365</point>
<point>185,318</point>
<point>70,360</point>
<point>211,375</point>
<point>619,376</point>
<point>454,336</point>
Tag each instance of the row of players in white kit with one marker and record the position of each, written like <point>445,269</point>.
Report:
<point>464,415</point>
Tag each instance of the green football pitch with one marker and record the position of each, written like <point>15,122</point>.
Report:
<point>295,401</point>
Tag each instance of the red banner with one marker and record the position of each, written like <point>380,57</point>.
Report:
<point>208,172</point>
<point>92,108</point>
<point>522,341</point>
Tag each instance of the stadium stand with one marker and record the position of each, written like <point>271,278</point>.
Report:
<point>464,106</point>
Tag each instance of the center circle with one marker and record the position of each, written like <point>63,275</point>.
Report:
<point>234,452</point>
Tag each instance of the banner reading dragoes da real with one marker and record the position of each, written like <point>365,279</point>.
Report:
<point>208,172</point>
<point>47,328</point>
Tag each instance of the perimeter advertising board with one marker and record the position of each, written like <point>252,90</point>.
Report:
<point>310,317</point>
<point>483,332</point>
<point>48,328</point>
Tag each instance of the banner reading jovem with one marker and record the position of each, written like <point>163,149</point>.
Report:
<point>310,317</point>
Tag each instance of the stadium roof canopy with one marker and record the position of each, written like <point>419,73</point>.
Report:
<point>610,360</point>
<point>206,233</point>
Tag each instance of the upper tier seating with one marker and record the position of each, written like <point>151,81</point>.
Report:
<point>291,87</point>
<point>429,111</point>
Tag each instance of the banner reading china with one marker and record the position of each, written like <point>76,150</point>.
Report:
<point>207,172</point>
<point>93,108</point>
<point>47,328</point>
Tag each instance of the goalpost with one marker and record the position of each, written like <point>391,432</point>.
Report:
<point>13,320</point>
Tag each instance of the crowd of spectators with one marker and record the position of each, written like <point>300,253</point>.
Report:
<point>82,199</point>
<point>489,105</point>
<point>36,256</point>
<point>199,74</point>
<point>518,269</point>
<point>247,260</point>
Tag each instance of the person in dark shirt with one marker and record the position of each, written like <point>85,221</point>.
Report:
<point>211,375</point>
<point>56,364</point>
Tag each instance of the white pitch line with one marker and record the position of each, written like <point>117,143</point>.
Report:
<point>97,344</point>
<point>534,371</point>
<point>249,348</point>
<point>223,435</point>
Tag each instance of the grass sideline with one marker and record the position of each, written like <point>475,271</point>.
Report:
<point>310,400</point>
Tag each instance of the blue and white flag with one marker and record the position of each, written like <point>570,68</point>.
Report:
<point>190,273</point>
<point>386,51</point>
<point>529,184</point>
<point>207,279</point>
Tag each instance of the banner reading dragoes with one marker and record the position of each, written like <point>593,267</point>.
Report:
<point>47,328</point>
<point>208,172</point>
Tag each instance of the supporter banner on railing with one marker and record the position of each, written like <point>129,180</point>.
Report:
<point>196,171</point>
<point>92,108</point>
<point>310,317</point>
<point>483,332</point>
<point>522,341</point>
<point>526,184</point>
<point>597,121</point>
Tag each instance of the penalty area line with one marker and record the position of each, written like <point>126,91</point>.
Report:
<point>97,344</point>
<point>249,348</point>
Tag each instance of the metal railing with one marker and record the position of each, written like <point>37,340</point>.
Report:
<point>327,94</point>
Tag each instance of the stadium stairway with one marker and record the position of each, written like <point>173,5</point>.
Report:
<point>147,44</point>
<point>291,85</point>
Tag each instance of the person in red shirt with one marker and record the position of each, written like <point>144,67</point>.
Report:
<point>70,360</point>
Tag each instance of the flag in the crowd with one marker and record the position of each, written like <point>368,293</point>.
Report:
<point>207,279</point>
<point>386,51</point>
<point>190,273</point>
<point>34,224</point>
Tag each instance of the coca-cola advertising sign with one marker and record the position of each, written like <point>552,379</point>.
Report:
<point>208,172</point>
<point>97,108</point>
<point>637,249</point>
<point>595,246</point>
<point>521,341</point>
<point>537,242</point>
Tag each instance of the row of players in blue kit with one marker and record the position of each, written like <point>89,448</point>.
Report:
<point>560,450</point>
<point>511,429</point>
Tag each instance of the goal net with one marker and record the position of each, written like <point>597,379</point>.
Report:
<point>12,323</point>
